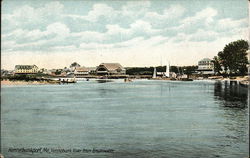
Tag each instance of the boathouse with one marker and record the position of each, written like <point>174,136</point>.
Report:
<point>110,69</point>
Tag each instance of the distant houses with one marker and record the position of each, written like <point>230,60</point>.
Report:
<point>110,69</point>
<point>206,67</point>
<point>75,70</point>
<point>26,69</point>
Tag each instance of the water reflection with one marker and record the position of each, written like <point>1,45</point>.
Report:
<point>103,81</point>
<point>231,94</point>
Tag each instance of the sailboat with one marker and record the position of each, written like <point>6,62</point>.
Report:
<point>154,74</point>
<point>167,74</point>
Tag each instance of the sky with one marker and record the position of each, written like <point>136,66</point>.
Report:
<point>54,34</point>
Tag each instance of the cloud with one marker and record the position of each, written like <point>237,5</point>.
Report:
<point>97,12</point>
<point>228,23</point>
<point>142,27</point>
<point>34,39</point>
<point>116,29</point>
<point>27,16</point>
<point>206,14</point>
<point>202,35</point>
<point>139,27</point>
<point>174,11</point>
<point>64,48</point>
<point>58,28</point>
<point>134,9</point>
<point>100,10</point>
<point>203,18</point>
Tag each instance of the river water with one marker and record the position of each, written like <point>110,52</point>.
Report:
<point>143,118</point>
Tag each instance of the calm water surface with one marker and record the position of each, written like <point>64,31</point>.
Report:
<point>139,119</point>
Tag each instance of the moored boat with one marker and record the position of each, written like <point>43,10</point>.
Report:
<point>244,83</point>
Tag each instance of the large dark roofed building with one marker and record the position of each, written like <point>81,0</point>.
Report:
<point>110,69</point>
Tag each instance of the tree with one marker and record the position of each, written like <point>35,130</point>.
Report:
<point>75,64</point>
<point>188,70</point>
<point>58,72</point>
<point>234,57</point>
<point>217,65</point>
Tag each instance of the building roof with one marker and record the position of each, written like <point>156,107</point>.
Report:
<point>25,66</point>
<point>91,68</point>
<point>206,59</point>
<point>112,66</point>
<point>81,69</point>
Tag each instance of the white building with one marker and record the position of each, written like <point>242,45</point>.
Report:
<point>206,66</point>
<point>81,72</point>
<point>26,69</point>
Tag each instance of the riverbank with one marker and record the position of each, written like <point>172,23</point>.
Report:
<point>237,78</point>
<point>8,82</point>
<point>243,79</point>
<point>221,78</point>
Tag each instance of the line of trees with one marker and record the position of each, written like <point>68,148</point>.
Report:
<point>233,59</point>
<point>149,70</point>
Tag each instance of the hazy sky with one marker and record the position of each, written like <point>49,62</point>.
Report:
<point>53,34</point>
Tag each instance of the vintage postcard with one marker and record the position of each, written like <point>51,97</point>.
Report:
<point>124,79</point>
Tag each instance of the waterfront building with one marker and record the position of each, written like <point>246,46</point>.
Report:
<point>160,74</point>
<point>110,69</point>
<point>26,69</point>
<point>92,70</point>
<point>51,72</point>
<point>81,71</point>
<point>206,66</point>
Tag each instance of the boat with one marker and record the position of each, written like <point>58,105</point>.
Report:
<point>244,83</point>
<point>53,81</point>
<point>71,81</point>
<point>127,80</point>
<point>68,80</point>
<point>186,79</point>
<point>103,80</point>
<point>165,76</point>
